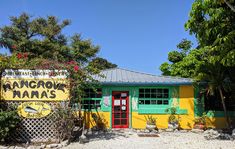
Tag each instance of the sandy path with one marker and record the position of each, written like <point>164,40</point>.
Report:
<point>167,140</point>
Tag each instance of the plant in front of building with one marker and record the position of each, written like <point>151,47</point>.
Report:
<point>63,118</point>
<point>173,119</point>
<point>9,121</point>
<point>150,122</point>
<point>100,121</point>
<point>200,122</point>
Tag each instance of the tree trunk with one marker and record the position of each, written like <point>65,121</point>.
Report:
<point>80,110</point>
<point>224,107</point>
<point>230,6</point>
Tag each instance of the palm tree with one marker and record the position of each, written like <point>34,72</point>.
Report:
<point>218,79</point>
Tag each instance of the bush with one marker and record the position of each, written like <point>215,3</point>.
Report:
<point>64,122</point>
<point>9,120</point>
<point>201,119</point>
<point>173,118</point>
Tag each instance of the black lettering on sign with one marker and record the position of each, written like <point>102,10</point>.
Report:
<point>6,87</point>
<point>32,84</point>
<point>24,83</point>
<point>56,85</point>
<point>25,94</point>
<point>61,87</point>
<point>49,84</point>
<point>34,93</point>
<point>15,84</point>
<point>16,93</point>
<point>44,94</point>
<point>41,84</point>
<point>52,94</point>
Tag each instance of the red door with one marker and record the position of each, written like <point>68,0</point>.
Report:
<point>120,109</point>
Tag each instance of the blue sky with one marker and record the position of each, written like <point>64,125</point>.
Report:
<point>134,34</point>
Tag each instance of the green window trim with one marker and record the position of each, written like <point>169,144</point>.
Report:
<point>76,107</point>
<point>153,101</point>
<point>90,93</point>
<point>161,111</point>
<point>153,93</point>
<point>156,105</point>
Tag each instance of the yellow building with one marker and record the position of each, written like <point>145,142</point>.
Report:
<point>126,98</point>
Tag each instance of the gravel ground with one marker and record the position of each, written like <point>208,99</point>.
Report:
<point>127,139</point>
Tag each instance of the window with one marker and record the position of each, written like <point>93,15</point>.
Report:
<point>91,99</point>
<point>153,96</point>
<point>90,93</point>
<point>91,104</point>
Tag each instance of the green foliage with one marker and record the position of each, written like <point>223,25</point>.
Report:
<point>213,61</point>
<point>101,64</point>
<point>175,56</point>
<point>173,118</point>
<point>165,68</point>
<point>39,43</point>
<point>213,24</point>
<point>9,121</point>
<point>182,63</point>
<point>201,119</point>
<point>42,38</point>
<point>150,120</point>
<point>185,45</point>
<point>64,117</point>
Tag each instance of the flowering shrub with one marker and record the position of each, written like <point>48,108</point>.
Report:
<point>22,55</point>
<point>9,120</point>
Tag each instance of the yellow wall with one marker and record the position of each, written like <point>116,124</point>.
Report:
<point>216,122</point>
<point>139,122</point>
<point>186,101</point>
<point>104,116</point>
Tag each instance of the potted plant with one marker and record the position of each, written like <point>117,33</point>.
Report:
<point>173,120</point>
<point>200,122</point>
<point>150,122</point>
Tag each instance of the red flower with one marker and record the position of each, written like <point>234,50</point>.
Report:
<point>25,55</point>
<point>76,68</point>
<point>19,55</point>
<point>14,47</point>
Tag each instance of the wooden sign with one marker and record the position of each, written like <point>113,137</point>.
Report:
<point>31,85</point>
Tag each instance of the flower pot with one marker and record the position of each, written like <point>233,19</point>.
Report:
<point>173,125</point>
<point>150,127</point>
<point>199,126</point>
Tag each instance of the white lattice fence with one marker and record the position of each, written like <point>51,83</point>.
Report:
<point>35,130</point>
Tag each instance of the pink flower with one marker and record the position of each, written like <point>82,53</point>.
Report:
<point>76,68</point>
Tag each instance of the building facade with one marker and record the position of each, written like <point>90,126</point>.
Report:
<point>126,98</point>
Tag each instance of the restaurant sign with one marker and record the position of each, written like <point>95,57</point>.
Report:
<point>34,85</point>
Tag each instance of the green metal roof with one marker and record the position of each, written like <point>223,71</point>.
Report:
<point>120,76</point>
